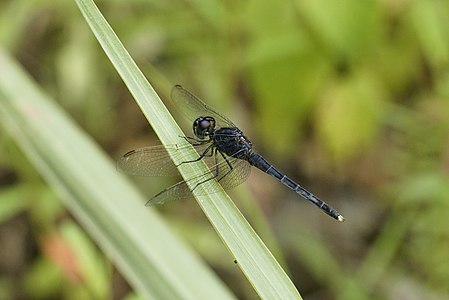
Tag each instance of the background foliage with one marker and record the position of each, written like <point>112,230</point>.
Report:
<point>348,97</point>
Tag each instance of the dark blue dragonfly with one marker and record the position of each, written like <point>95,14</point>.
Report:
<point>220,144</point>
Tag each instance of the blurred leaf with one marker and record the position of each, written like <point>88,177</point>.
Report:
<point>47,208</point>
<point>155,262</point>
<point>12,201</point>
<point>43,280</point>
<point>6,288</point>
<point>131,296</point>
<point>277,62</point>
<point>266,19</point>
<point>419,188</point>
<point>349,114</point>
<point>14,19</point>
<point>346,27</point>
<point>431,19</point>
<point>397,60</point>
<point>93,268</point>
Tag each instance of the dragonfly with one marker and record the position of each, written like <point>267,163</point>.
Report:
<point>227,152</point>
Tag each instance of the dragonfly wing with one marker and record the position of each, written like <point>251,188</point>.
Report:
<point>155,160</point>
<point>177,191</point>
<point>192,107</point>
<point>227,177</point>
<point>181,190</point>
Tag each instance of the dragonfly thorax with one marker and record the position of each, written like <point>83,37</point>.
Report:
<point>203,127</point>
<point>232,142</point>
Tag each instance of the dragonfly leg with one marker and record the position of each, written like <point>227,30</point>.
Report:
<point>194,141</point>
<point>229,164</point>
<point>201,155</point>
<point>216,170</point>
<point>230,167</point>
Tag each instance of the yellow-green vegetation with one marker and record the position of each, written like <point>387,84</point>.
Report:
<point>350,98</point>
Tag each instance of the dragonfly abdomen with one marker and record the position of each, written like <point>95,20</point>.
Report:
<point>262,164</point>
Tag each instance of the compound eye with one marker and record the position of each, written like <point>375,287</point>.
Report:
<point>204,124</point>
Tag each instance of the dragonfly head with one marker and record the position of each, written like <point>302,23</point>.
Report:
<point>203,127</point>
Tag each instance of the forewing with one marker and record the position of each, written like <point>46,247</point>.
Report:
<point>192,107</point>
<point>155,160</point>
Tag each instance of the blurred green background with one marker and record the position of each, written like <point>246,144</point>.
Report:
<point>350,98</point>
